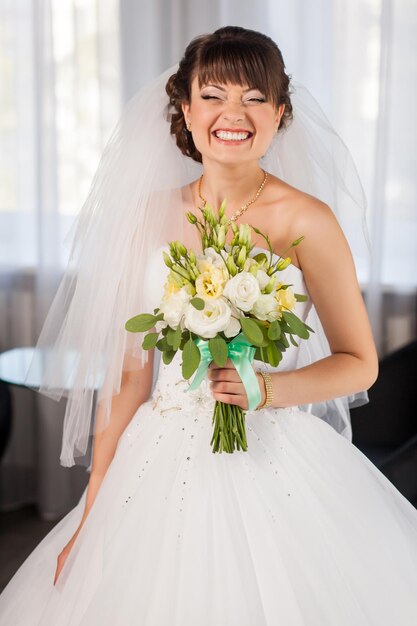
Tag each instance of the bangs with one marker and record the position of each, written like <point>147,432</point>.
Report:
<point>237,63</point>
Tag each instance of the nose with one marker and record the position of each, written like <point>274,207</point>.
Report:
<point>233,111</point>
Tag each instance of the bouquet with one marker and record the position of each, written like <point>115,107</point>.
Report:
<point>220,304</point>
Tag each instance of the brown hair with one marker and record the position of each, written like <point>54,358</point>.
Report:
<point>230,54</point>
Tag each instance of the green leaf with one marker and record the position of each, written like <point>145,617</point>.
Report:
<point>274,331</point>
<point>163,345</point>
<point>300,297</point>
<point>190,359</point>
<point>177,338</point>
<point>184,338</point>
<point>293,341</point>
<point>274,354</point>
<point>296,325</point>
<point>174,337</point>
<point>252,331</point>
<point>283,339</point>
<point>167,356</point>
<point>261,256</point>
<point>149,341</point>
<point>198,303</point>
<point>143,322</point>
<point>218,349</point>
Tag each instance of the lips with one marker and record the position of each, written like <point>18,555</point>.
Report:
<point>226,134</point>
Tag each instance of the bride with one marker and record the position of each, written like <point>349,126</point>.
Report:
<point>301,529</point>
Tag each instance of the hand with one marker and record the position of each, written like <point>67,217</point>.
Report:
<point>63,555</point>
<point>227,385</point>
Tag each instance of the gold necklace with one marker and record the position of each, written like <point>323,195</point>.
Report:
<point>242,208</point>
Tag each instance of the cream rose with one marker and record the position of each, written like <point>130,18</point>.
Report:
<point>233,328</point>
<point>209,284</point>
<point>242,290</point>
<point>213,319</point>
<point>265,308</point>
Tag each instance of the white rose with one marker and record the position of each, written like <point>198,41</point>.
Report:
<point>160,325</point>
<point>265,308</point>
<point>210,257</point>
<point>174,305</point>
<point>213,319</point>
<point>262,278</point>
<point>242,290</point>
<point>233,328</point>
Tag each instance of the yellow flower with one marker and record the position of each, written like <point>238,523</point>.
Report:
<point>209,284</point>
<point>285,298</point>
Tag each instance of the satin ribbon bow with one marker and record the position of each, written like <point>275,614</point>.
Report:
<point>241,353</point>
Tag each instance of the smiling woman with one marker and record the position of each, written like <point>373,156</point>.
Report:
<point>300,528</point>
<point>252,66</point>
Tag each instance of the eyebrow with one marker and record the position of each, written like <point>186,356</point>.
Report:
<point>223,89</point>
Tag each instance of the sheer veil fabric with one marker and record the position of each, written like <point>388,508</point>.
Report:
<point>136,206</point>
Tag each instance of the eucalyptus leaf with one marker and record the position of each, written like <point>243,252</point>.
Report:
<point>198,303</point>
<point>149,341</point>
<point>141,323</point>
<point>167,356</point>
<point>170,336</point>
<point>274,354</point>
<point>293,341</point>
<point>190,359</point>
<point>274,331</point>
<point>163,345</point>
<point>218,349</point>
<point>252,331</point>
<point>296,325</point>
<point>177,338</point>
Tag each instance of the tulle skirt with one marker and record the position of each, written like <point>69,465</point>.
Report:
<point>300,530</point>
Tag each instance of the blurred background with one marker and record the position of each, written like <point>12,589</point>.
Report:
<point>67,68</point>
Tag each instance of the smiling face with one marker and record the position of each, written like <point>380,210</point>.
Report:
<point>230,123</point>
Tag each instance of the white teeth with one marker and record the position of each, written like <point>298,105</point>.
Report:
<point>226,135</point>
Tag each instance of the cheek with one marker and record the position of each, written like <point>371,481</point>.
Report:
<point>201,128</point>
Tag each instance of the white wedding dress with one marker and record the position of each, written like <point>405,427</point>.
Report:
<point>300,530</point>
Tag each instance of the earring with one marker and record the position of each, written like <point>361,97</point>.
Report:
<point>189,126</point>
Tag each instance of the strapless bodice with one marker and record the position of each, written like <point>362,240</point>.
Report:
<point>169,385</point>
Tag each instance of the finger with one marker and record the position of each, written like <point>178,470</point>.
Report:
<point>228,398</point>
<point>223,386</point>
<point>225,376</point>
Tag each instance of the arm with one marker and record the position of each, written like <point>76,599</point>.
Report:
<point>135,389</point>
<point>329,272</point>
<point>327,264</point>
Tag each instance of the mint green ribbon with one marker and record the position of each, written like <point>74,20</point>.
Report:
<point>241,353</point>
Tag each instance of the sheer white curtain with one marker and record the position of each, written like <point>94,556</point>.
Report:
<point>67,65</point>
<point>60,77</point>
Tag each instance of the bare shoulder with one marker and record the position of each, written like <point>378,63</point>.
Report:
<point>302,209</point>
<point>295,214</point>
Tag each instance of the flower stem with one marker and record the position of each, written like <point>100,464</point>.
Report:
<point>229,428</point>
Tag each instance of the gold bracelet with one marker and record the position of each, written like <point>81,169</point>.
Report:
<point>268,388</point>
